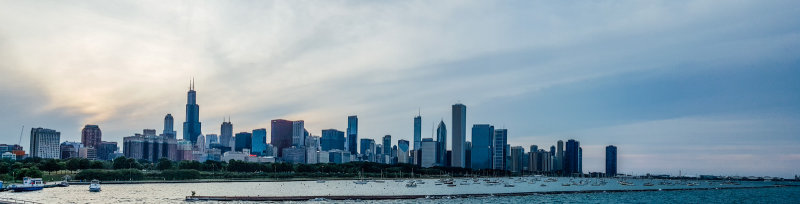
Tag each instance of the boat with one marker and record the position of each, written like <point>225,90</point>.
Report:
<point>543,185</point>
<point>320,181</point>
<point>508,185</point>
<point>362,180</point>
<point>411,185</point>
<point>565,184</point>
<point>28,184</point>
<point>648,184</point>
<point>94,186</point>
<point>451,185</point>
<point>379,181</point>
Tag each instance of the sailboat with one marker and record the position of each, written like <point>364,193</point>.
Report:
<point>360,181</point>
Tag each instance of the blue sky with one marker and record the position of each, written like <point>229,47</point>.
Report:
<point>701,87</point>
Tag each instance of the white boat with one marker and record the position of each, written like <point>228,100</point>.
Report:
<point>411,185</point>
<point>28,184</point>
<point>94,186</point>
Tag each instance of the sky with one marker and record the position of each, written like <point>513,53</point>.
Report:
<point>697,87</point>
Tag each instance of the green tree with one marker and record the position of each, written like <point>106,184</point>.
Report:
<point>50,165</point>
<point>164,164</point>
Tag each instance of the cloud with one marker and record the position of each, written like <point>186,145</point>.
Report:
<point>124,65</point>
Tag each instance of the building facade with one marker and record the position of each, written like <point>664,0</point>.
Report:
<point>459,135</point>
<point>332,139</point>
<point>611,160</point>
<point>352,134</point>
<point>192,126</point>
<point>91,136</point>
<point>499,149</point>
<point>482,143</point>
<point>259,142</point>
<point>45,143</point>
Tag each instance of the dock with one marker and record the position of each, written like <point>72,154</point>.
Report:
<point>406,197</point>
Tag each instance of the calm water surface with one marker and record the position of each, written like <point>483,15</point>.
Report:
<point>176,193</point>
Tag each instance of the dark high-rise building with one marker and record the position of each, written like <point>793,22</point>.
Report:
<point>259,143</point>
<point>402,151</point>
<point>482,143</point>
<point>367,147</point>
<point>332,139</point>
<point>517,161</point>
<point>468,155</point>
<point>281,131</point>
<point>499,149</point>
<point>459,135</point>
<point>70,149</point>
<point>387,143</point>
<point>191,128</point>
<point>226,133</point>
<point>611,160</point>
<point>572,157</point>
<point>91,136</point>
<point>106,149</point>
<point>352,134</point>
<point>417,132</point>
<point>45,143</point>
<point>169,130</point>
<point>151,148</point>
<point>441,144</point>
<point>558,163</point>
<point>244,140</point>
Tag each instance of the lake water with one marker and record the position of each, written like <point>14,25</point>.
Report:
<point>176,193</point>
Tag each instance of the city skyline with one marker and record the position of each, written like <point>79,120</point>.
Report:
<point>700,87</point>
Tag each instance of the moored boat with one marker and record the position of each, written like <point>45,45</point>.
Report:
<point>28,184</point>
<point>94,186</point>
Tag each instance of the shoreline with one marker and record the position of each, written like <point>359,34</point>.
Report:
<point>406,197</point>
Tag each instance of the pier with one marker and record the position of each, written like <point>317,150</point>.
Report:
<point>405,197</point>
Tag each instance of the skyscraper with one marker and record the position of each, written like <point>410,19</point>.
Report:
<point>459,135</point>
<point>352,134</point>
<point>417,132</point>
<point>211,139</point>
<point>281,131</point>
<point>402,151</point>
<point>516,158</point>
<point>441,144</point>
<point>572,157</point>
<point>45,143</point>
<point>559,162</point>
<point>243,141</point>
<point>387,143</point>
<point>611,160</point>
<point>259,142</point>
<point>191,128</point>
<point>368,149</point>
<point>106,149</point>
<point>428,152</point>
<point>332,139</point>
<point>226,133</point>
<point>91,136</point>
<point>482,142</point>
<point>169,130</point>
<point>499,149</point>
<point>298,133</point>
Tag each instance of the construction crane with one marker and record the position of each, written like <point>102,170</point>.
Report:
<point>20,135</point>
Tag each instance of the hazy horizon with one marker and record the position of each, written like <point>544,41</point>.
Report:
<point>701,87</point>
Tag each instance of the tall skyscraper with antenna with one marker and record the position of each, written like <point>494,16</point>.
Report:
<point>417,132</point>
<point>191,128</point>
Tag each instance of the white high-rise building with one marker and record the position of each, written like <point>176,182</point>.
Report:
<point>45,143</point>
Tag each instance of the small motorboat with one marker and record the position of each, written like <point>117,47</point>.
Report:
<point>94,186</point>
<point>509,185</point>
<point>360,182</point>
